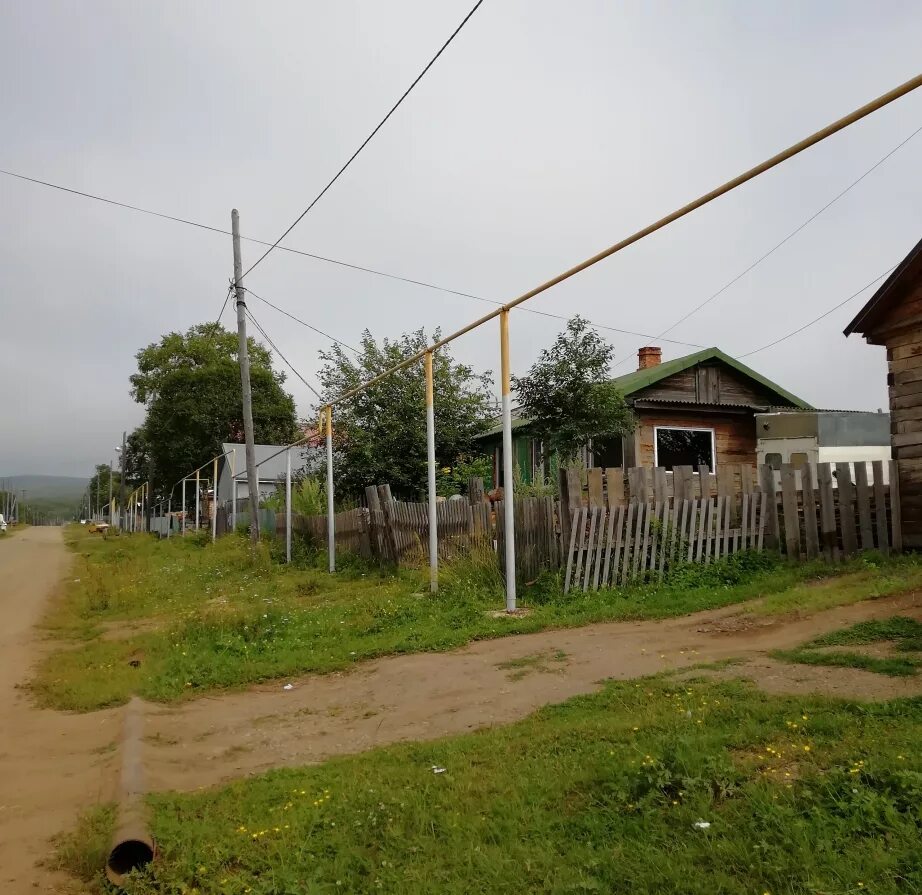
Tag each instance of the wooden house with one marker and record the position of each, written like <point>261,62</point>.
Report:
<point>692,410</point>
<point>893,318</point>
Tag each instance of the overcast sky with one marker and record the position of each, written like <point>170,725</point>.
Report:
<point>545,132</point>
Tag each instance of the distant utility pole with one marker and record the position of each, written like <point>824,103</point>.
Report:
<point>122,518</point>
<point>243,355</point>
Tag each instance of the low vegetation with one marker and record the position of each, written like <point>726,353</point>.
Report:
<point>901,637</point>
<point>648,786</point>
<point>177,618</point>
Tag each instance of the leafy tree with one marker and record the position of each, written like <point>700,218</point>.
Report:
<point>568,396</point>
<point>99,485</point>
<point>380,434</point>
<point>190,384</point>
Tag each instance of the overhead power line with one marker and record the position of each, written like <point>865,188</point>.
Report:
<point>302,322</point>
<point>800,329</point>
<point>275,348</point>
<point>339,263</point>
<point>787,238</point>
<point>368,139</point>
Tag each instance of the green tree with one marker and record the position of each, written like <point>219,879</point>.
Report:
<point>380,434</point>
<point>568,395</point>
<point>190,385</point>
<point>99,485</point>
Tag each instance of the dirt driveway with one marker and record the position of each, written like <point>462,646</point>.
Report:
<point>54,764</point>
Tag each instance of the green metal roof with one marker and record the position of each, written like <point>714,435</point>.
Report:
<point>641,379</point>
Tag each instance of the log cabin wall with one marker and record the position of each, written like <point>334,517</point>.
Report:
<point>899,329</point>
<point>734,433</point>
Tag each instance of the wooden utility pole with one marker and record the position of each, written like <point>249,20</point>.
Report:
<point>122,516</point>
<point>243,355</point>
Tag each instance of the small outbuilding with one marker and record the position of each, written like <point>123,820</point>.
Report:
<point>893,318</point>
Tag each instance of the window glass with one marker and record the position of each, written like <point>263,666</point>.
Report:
<point>607,452</point>
<point>773,460</point>
<point>684,447</point>
<point>799,459</point>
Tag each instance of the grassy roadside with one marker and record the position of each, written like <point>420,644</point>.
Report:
<point>903,634</point>
<point>175,619</point>
<point>647,786</point>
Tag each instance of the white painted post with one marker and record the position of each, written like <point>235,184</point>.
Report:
<point>214,503</point>
<point>430,452</point>
<point>288,505</point>
<point>233,464</point>
<point>183,507</point>
<point>331,521</point>
<point>169,517</point>
<point>508,496</point>
<point>198,492</point>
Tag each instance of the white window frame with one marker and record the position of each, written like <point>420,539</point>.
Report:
<point>656,430</point>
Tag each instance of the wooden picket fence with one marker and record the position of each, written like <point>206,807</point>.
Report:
<point>827,510</point>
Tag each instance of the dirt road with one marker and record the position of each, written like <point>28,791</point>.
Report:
<point>429,695</point>
<point>53,765</point>
<point>50,764</point>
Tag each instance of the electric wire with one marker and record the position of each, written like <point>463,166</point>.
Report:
<point>825,314</point>
<point>790,235</point>
<point>302,322</point>
<point>368,139</point>
<point>275,348</point>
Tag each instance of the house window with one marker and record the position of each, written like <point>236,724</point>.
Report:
<point>799,460</point>
<point>607,453</point>
<point>684,447</point>
<point>773,460</point>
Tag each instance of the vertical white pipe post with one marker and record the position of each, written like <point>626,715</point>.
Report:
<point>233,466</point>
<point>331,521</point>
<point>430,453</point>
<point>169,516</point>
<point>508,497</point>
<point>198,492</point>
<point>214,503</point>
<point>288,505</point>
<point>183,508</point>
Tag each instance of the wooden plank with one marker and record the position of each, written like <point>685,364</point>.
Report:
<point>612,576</point>
<point>846,508</point>
<point>744,521</point>
<point>635,483</point>
<point>828,536</point>
<point>728,525</point>
<point>605,524</point>
<point>702,514</point>
<point>704,481</point>
<point>808,491</point>
<point>683,482</point>
<point>659,484</point>
<point>665,535</point>
<point>581,525</point>
<point>571,552</point>
<point>596,487</point>
<point>613,515</point>
<point>614,485</point>
<point>754,501</point>
<point>747,478</point>
<point>653,527</point>
<point>789,509</point>
<point>638,538</point>
<point>896,508</point>
<point>736,520</point>
<point>880,506</point>
<point>765,503</point>
<point>772,534</point>
<point>590,547</point>
<point>676,534</point>
<point>628,533</point>
<point>863,495</point>
<point>692,534</point>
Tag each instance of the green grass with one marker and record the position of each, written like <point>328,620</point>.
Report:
<point>178,618</point>
<point>599,794</point>
<point>904,633</point>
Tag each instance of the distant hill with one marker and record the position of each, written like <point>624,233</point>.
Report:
<point>52,493</point>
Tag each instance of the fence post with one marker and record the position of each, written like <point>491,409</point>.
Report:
<point>169,516</point>
<point>183,508</point>
<point>198,494</point>
<point>288,505</point>
<point>214,503</point>
<point>767,484</point>
<point>508,496</point>
<point>430,454</point>
<point>331,521</point>
<point>387,511</point>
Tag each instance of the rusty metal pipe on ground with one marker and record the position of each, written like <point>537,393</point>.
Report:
<point>132,844</point>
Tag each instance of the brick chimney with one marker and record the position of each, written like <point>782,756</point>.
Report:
<point>650,356</point>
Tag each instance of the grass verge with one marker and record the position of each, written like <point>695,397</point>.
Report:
<point>644,787</point>
<point>904,634</point>
<point>177,618</point>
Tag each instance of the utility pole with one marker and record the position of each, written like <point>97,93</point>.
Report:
<point>121,486</point>
<point>243,356</point>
